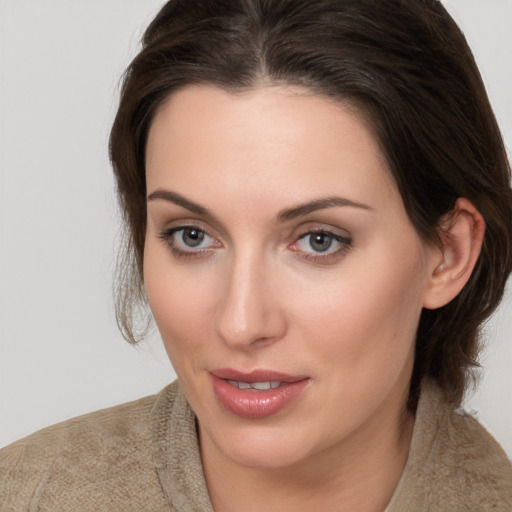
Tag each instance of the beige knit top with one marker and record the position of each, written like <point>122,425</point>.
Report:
<point>144,456</point>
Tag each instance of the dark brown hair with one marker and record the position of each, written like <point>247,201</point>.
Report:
<point>405,64</point>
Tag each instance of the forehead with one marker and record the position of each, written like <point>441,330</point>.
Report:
<point>273,138</point>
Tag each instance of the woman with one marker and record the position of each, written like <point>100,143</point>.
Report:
<point>318,209</point>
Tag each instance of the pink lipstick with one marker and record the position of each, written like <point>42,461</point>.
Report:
<point>257,394</point>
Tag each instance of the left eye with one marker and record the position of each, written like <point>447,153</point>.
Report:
<point>188,239</point>
<point>321,242</point>
<point>191,237</point>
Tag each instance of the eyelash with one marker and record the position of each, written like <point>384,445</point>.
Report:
<point>319,257</point>
<point>167,237</point>
<point>324,257</point>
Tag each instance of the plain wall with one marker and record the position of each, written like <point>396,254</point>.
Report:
<point>60,351</point>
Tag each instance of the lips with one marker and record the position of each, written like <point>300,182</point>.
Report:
<point>257,394</point>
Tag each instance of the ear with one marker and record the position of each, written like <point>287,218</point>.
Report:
<point>450,267</point>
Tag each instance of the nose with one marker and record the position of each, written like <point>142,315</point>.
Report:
<point>249,311</point>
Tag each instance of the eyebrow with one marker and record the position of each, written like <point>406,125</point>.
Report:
<point>283,216</point>
<point>173,197</point>
<point>318,204</point>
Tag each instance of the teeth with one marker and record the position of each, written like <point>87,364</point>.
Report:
<point>261,385</point>
<point>258,386</point>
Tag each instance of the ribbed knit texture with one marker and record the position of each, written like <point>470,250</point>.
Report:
<point>144,456</point>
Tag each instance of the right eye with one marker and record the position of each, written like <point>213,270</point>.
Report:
<point>188,240</point>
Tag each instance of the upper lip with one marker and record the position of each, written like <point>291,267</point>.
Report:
<point>259,375</point>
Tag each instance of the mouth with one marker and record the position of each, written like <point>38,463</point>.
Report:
<point>257,394</point>
<point>256,386</point>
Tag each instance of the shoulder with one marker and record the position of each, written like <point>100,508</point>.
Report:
<point>69,462</point>
<point>454,463</point>
<point>474,463</point>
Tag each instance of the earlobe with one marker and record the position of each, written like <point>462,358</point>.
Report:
<point>462,235</point>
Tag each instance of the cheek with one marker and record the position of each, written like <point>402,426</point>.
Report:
<point>180,302</point>
<point>365,319</point>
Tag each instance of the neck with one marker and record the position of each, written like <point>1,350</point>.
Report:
<point>360,473</point>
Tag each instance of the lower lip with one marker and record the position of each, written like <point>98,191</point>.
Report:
<point>257,404</point>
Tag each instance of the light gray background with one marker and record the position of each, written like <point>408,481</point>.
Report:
<point>60,352</point>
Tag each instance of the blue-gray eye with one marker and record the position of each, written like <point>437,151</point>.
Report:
<point>189,241</point>
<point>192,237</point>
<point>318,242</point>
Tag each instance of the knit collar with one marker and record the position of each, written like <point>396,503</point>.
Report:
<point>177,458</point>
<point>176,454</point>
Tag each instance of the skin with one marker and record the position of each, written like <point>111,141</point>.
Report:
<point>257,295</point>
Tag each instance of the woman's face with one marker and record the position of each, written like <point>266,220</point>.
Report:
<point>283,272</point>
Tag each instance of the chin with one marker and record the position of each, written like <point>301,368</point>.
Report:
<point>265,454</point>
<point>261,448</point>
